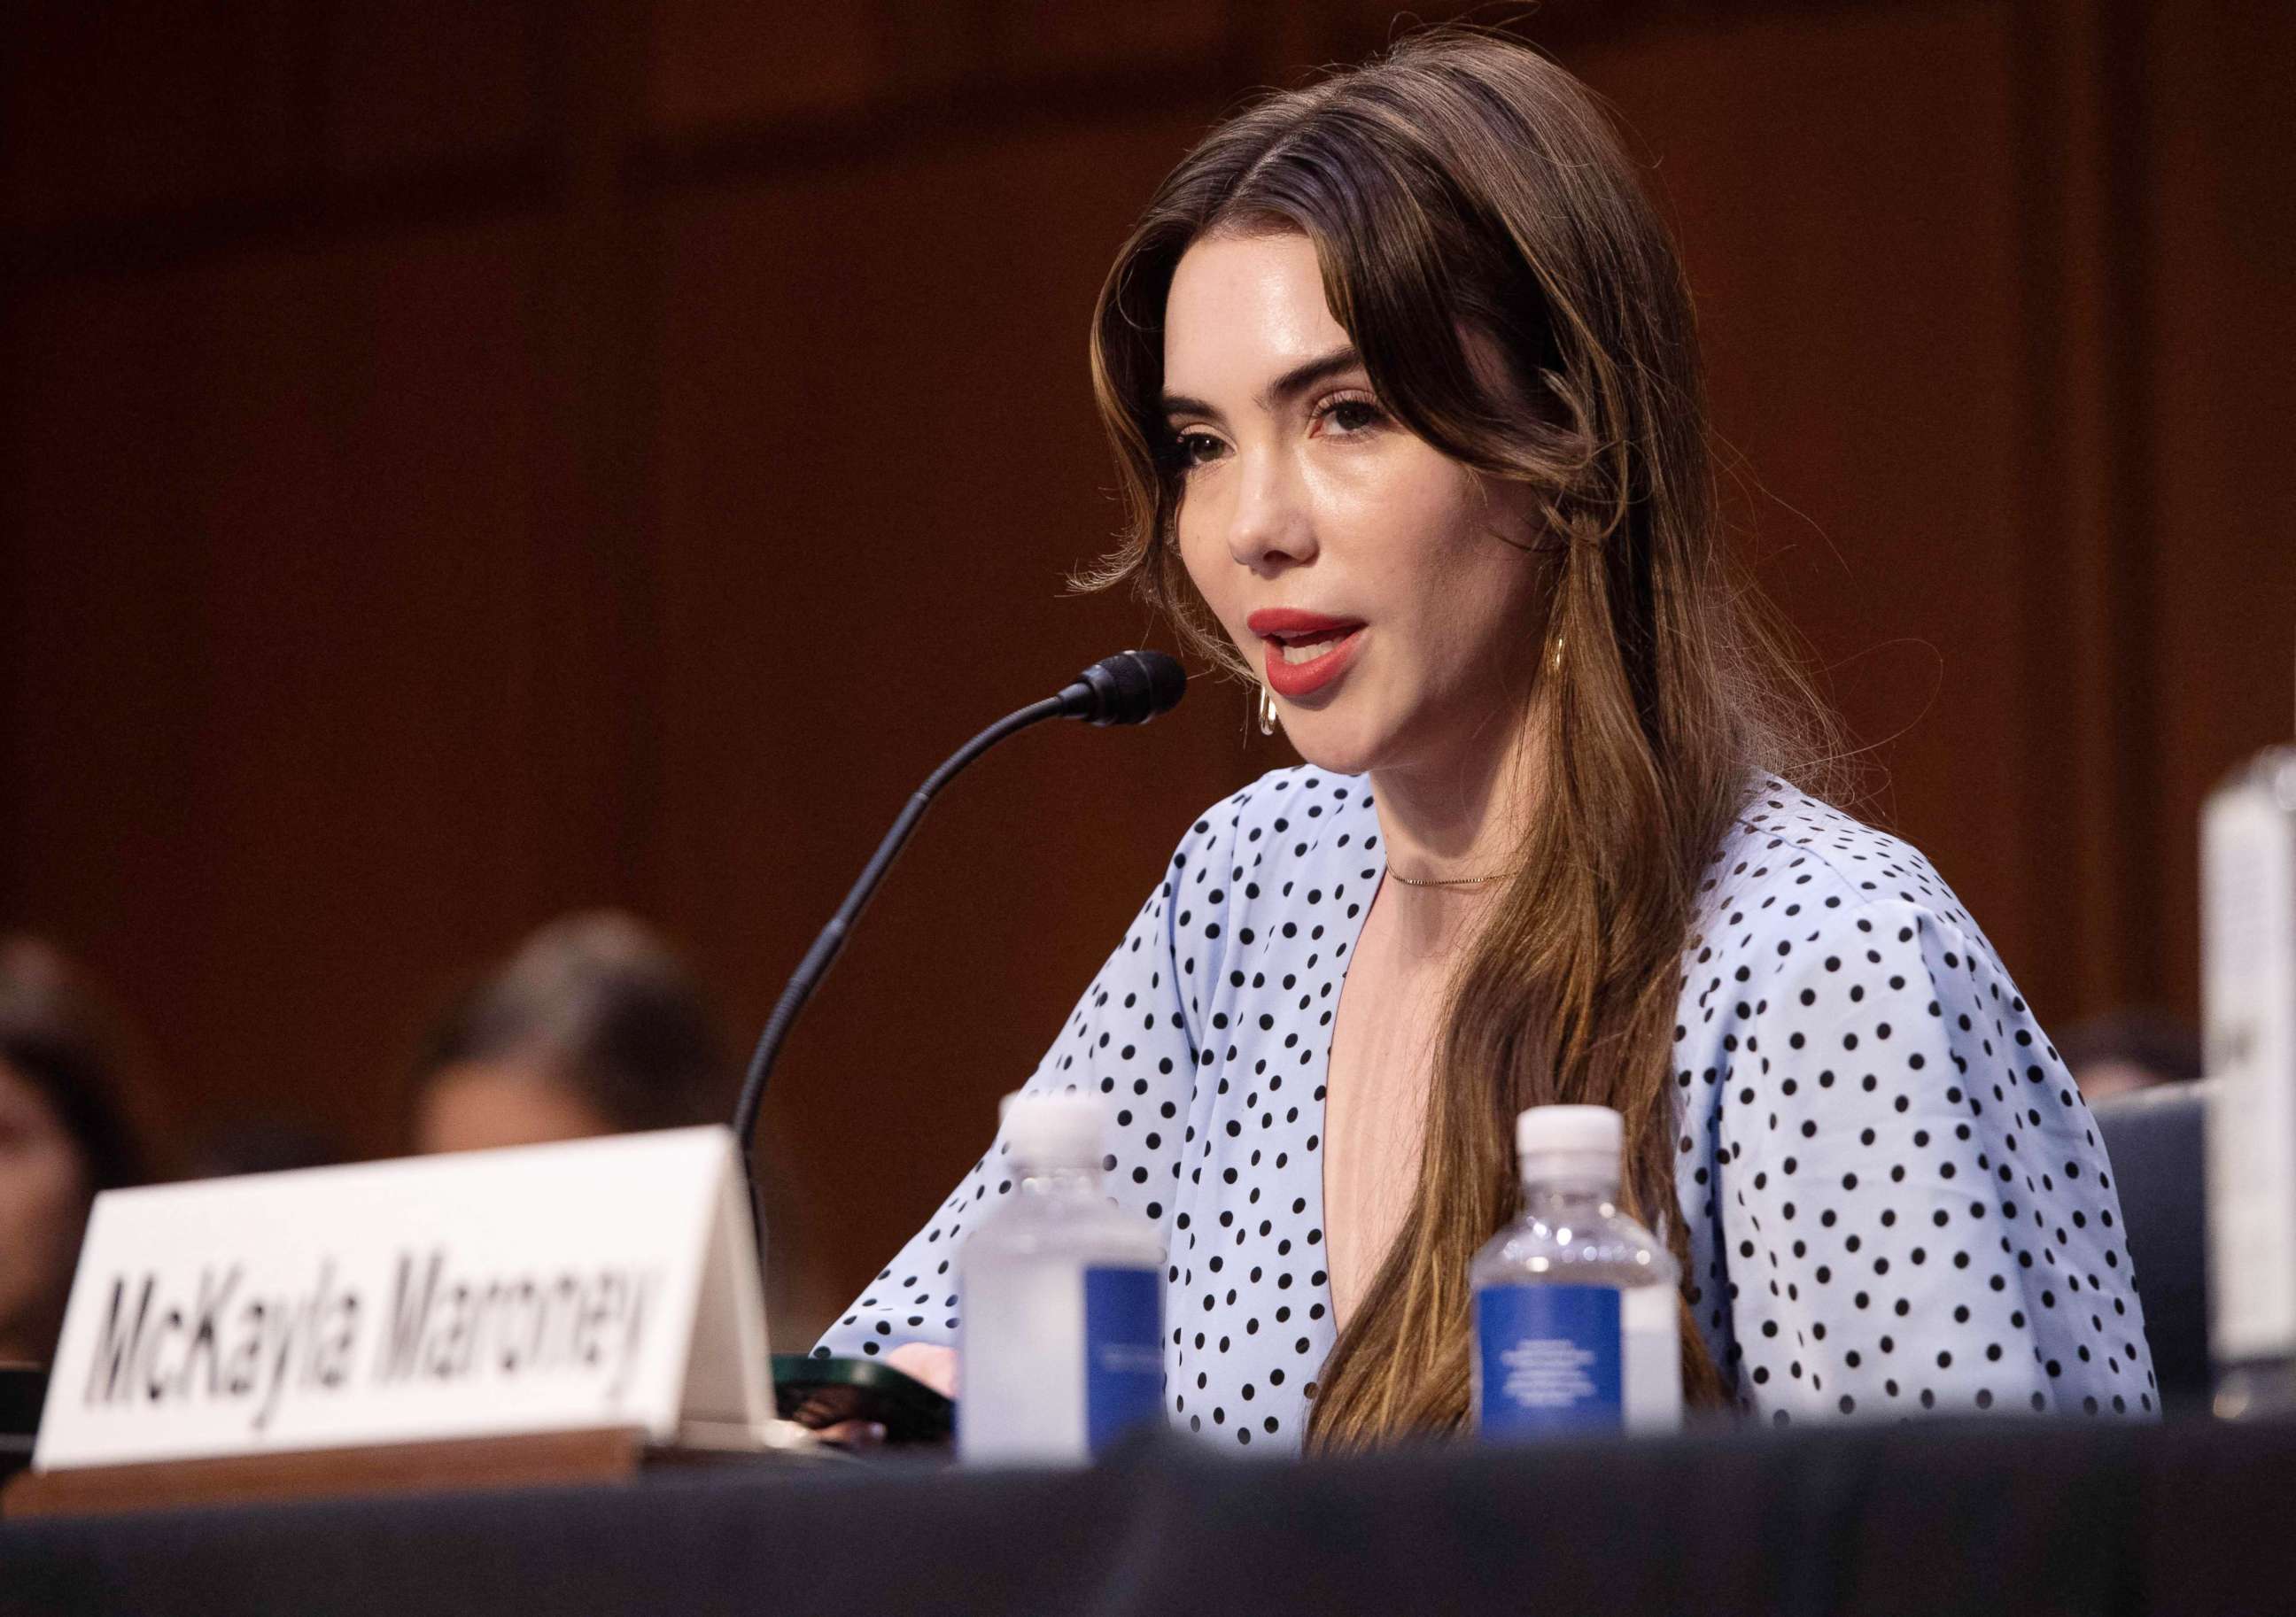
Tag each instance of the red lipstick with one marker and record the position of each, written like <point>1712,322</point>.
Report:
<point>1281,626</point>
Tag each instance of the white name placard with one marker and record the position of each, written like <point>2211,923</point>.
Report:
<point>602,1283</point>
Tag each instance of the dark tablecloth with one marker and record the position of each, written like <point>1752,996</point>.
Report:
<point>2008,1518</point>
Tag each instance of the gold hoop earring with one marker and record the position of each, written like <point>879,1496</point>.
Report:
<point>1266,711</point>
<point>1554,656</point>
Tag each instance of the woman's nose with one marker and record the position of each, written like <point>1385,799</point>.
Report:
<point>1270,528</point>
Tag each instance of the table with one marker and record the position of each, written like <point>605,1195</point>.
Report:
<point>2012,1516</point>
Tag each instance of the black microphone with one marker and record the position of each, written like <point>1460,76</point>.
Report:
<point>1130,687</point>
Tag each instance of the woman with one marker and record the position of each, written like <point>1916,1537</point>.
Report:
<point>63,1136</point>
<point>593,1026</point>
<point>1401,369</point>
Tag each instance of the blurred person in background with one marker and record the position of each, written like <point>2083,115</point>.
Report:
<point>593,1026</point>
<point>63,1135</point>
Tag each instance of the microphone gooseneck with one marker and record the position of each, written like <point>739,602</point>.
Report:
<point>1130,687</point>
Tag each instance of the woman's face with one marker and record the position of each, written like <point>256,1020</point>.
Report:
<point>43,1198</point>
<point>478,1106</point>
<point>1381,590</point>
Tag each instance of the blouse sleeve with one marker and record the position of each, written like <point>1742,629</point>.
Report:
<point>1133,1039</point>
<point>1916,1209</point>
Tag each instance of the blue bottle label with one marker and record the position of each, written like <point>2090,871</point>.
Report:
<point>1123,1353</point>
<point>1550,1359</point>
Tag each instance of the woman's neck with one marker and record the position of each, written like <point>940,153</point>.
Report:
<point>1458,819</point>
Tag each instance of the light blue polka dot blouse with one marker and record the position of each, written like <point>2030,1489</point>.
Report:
<point>1896,1201</point>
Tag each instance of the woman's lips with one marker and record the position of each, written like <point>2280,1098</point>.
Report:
<point>1333,650</point>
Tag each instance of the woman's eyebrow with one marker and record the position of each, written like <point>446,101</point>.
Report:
<point>1282,391</point>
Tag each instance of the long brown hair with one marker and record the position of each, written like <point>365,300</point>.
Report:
<point>1463,183</point>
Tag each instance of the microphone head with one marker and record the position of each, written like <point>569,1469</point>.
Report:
<point>1130,687</point>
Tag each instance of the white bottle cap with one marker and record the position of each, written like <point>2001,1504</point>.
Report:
<point>1054,1131</point>
<point>1570,1140</point>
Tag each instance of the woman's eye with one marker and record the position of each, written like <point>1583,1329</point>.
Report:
<point>1192,449</point>
<point>1350,414</point>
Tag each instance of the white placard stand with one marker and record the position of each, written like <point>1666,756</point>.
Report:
<point>541,1314</point>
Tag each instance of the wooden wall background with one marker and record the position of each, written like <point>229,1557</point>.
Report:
<point>463,462</point>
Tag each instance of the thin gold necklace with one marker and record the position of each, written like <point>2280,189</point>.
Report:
<point>1455,881</point>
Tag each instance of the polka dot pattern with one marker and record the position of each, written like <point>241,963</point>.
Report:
<point>1897,1202</point>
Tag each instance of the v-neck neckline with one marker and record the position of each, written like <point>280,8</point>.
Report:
<point>1375,844</point>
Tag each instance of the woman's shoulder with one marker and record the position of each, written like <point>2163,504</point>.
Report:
<point>1807,911</point>
<point>1899,1192</point>
<point>1792,867</point>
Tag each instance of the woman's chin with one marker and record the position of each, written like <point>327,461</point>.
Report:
<point>1330,749</point>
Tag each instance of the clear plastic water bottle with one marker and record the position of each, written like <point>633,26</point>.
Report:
<point>1059,1343</point>
<point>1575,1310</point>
